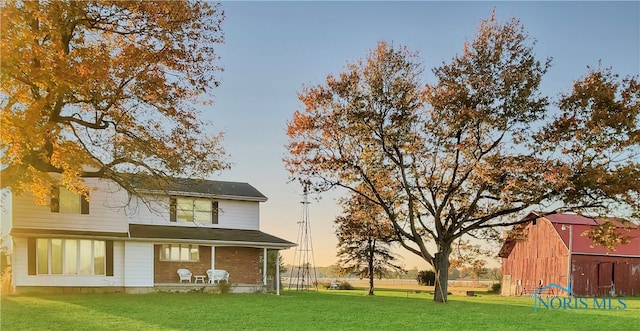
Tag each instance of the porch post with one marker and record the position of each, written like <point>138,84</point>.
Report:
<point>264,268</point>
<point>277,272</point>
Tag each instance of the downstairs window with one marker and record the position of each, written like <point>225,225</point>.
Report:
<point>179,253</point>
<point>70,257</point>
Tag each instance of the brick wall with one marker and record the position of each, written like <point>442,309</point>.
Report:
<point>242,263</point>
<point>165,271</point>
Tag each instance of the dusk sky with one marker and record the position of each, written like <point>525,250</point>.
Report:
<point>273,48</point>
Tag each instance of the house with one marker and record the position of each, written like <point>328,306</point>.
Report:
<point>552,249</point>
<point>120,242</point>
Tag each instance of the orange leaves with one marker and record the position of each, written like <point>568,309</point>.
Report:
<point>300,123</point>
<point>93,89</point>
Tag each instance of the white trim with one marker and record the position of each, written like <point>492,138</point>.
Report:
<point>264,267</point>
<point>217,243</point>
<point>277,273</point>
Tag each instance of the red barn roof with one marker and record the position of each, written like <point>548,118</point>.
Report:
<point>567,224</point>
<point>570,223</point>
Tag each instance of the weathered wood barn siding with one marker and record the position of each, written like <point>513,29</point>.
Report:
<point>541,259</point>
<point>596,275</point>
<point>541,256</point>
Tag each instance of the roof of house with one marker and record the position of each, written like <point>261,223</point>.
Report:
<point>198,187</point>
<point>231,237</point>
<point>214,235</point>
<point>570,227</point>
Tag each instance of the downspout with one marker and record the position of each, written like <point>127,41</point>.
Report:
<point>569,259</point>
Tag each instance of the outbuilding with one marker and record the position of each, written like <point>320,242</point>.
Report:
<point>553,249</point>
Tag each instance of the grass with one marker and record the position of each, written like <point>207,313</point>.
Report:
<point>390,309</point>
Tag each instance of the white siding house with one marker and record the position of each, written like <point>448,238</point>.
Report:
<point>114,241</point>
<point>138,264</point>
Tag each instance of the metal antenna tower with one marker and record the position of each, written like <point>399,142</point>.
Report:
<point>303,273</point>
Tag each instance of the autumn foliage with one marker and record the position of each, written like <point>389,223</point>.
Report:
<point>364,240</point>
<point>99,88</point>
<point>474,151</point>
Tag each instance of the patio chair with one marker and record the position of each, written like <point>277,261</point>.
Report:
<point>184,274</point>
<point>217,275</point>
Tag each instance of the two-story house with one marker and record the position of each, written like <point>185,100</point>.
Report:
<point>116,241</point>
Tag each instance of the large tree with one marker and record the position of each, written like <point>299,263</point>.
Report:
<point>100,88</point>
<point>364,240</point>
<point>455,158</point>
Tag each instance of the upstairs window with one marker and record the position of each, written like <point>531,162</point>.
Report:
<point>189,210</point>
<point>65,201</point>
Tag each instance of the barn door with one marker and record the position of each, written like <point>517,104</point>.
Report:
<point>605,278</point>
<point>506,286</point>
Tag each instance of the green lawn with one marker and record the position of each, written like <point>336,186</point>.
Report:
<point>324,310</point>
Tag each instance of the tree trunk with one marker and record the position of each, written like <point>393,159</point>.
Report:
<point>441,265</point>
<point>371,273</point>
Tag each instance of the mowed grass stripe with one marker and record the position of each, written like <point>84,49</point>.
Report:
<point>324,310</point>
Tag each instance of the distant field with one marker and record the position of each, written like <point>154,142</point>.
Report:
<point>323,310</point>
<point>411,284</point>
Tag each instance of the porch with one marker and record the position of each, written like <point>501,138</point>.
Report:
<point>207,288</point>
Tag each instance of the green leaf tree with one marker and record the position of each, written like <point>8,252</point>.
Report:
<point>99,88</point>
<point>273,259</point>
<point>426,277</point>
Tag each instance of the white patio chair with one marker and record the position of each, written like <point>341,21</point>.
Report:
<point>217,275</point>
<point>184,274</point>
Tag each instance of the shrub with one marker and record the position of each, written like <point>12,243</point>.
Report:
<point>495,288</point>
<point>5,281</point>
<point>224,287</point>
<point>344,285</point>
<point>426,277</point>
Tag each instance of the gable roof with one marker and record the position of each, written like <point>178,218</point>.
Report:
<point>572,225</point>
<point>198,188</point>
<point>231,237</point>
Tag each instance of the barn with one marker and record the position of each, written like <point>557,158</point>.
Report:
<point>551,249</point>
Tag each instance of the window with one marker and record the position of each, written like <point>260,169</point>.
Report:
<point>65,201</point>
<point>179,253</point>
<point>56,256</point>
<point>189,210</point>
<point>70,256</point>
<point>86,259</point>
<point>99,257</point>
<point>43,256</point>
<point>69,201</point>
